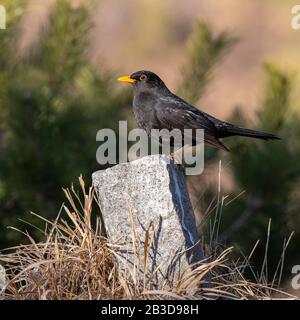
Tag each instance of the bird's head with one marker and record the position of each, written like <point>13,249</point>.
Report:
<point>144,81</point>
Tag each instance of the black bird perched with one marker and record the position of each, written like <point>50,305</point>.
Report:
<point>156,107</point>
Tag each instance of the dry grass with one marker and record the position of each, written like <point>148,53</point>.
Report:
<point>77,262</point>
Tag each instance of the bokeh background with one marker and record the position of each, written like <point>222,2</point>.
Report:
<point>238,60</point>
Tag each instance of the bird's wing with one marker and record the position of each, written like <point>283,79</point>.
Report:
<point>174,113</point>
<point>177,113</point>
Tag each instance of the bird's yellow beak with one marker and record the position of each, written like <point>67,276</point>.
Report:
<point>126,79</point>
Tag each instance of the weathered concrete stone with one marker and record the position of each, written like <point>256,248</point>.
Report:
<point>2,280</point>
<point>149,194</point>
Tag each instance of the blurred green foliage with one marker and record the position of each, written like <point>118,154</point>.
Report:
<point>53,101</point>
<point>266,174</point>
<point>269,173</point>
<point>204,52</point>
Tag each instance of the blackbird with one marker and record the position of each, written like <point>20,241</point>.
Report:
<point>156,107</point>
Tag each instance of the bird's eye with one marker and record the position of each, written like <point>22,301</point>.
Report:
<point>143,77</point>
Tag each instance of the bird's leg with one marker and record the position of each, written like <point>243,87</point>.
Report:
<point>177,155</point>
<point>171,156</point>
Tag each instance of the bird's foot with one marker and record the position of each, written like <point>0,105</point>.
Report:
<point>171,156</point>
<point>176,156</point>
<point>176,160</point>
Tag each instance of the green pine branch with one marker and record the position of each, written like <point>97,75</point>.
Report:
<point>276,101</point>
<point>205,51</point>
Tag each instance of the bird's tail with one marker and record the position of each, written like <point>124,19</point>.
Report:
<point>237,131</point>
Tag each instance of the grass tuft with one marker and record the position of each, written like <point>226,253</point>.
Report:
<point>75,261</point>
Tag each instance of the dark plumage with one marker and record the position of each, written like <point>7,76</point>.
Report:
<point>156,107</point>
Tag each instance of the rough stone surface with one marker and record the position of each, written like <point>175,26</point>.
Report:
<point>148,199</point>
<point>2,280</point>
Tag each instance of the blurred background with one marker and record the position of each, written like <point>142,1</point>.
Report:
<point>237,60</point>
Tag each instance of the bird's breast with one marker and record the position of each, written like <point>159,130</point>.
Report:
<point>143,109</point>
